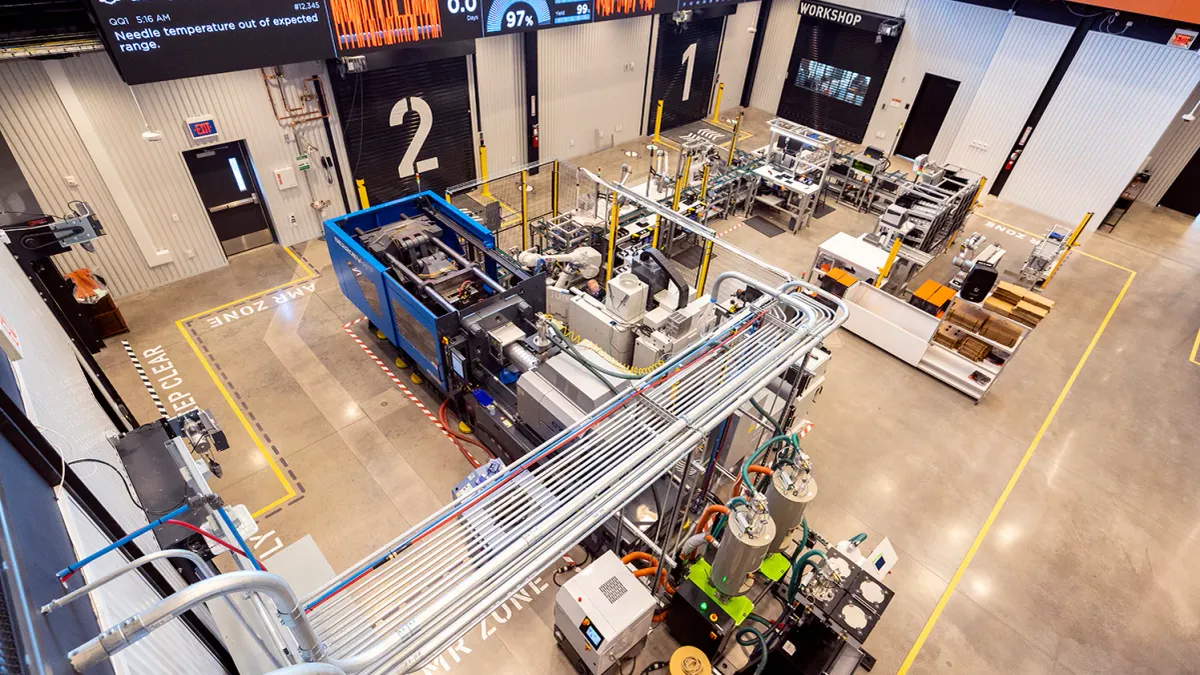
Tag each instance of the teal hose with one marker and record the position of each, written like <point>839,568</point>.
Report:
<point>749,637</point>
<point>804,535</point>
<point>570,348</point>
<point>798,571</point>
<point>858,538</point>
<point>767,416</point>
<point>753,457</point>
<point>570,351</point>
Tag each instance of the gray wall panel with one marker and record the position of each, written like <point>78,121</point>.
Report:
<point>942,37</point>
<point>735,52</point>
<point>1173,151</point>
<point>501,102</point>
<point>1115,102</point>
<point>1018,72</point>
<point>592,81</point>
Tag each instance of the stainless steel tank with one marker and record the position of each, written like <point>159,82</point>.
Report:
<point>743,548</point>
<point>789,494</point>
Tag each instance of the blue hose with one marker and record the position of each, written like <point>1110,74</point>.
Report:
<point>73,567</point>
<point>238,536</point>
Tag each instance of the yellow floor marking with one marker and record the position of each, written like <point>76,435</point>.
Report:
<point>1039,236</point>
<point>1012,482</point>
<point>1195,347</point>
<point>291,492</point>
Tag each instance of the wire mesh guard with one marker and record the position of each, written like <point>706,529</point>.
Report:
<point>417,595</point>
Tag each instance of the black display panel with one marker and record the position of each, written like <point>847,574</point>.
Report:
<point>837,68</point>
<point>153,40</point>
<point>372,24</point>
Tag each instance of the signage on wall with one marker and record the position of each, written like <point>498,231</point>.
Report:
<point>202,128</point>
<point>154,40</point>
<point>854,18</point>
<point>1182,38</point>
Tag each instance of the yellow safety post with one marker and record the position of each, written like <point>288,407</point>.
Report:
<point>717,104</point>
<point>704,185</point>
<point>524,211</point>
<point>887,264</point>
<point>681,184</point>
<point>978,193</point>
<point>657,228</point>
<point>362,193</point>
<point>554,191</point>
<point>614,219</point>
<point>486,191</point>
<point>737,127</point>
<point>658,121</point>
<point>708,247</point>
<point>1070,245</point>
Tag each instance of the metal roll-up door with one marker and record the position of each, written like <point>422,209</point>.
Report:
<point>834,77</point>
<point>685,65</point>
<point>407,120</point>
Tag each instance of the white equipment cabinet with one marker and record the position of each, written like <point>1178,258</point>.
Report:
<point>602,615</point>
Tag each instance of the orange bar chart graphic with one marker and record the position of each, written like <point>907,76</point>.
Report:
<point>362,24</point>
<point>610,8</point>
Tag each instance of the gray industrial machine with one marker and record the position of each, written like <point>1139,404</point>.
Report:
<point>602,616</point>
<point>791,490</point>
<point>747,541</point>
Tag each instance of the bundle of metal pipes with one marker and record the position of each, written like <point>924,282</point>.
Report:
<point>414,597</point>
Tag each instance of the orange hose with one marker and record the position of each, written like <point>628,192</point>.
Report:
<point>651,571</point>
<point>640,555</point>
<point>705,517</point>
<point>753,468</point>
<point>443,419</point>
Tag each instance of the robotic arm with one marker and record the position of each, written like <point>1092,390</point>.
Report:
<point>583,262</point>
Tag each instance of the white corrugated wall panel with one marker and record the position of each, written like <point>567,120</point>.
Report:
<point>47,147</point>
<point>781,38</point>
<point>951,39</point>
<point>591,85</point>
<point>1018,72</point>
<point>775,55</point>
<point>171,649</point>
<point>735,52</point>
<point>1113,104</point>
<point>60,403</point>
<point>1173,151</point>
<point>501,81</point>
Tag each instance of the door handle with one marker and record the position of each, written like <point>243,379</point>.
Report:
<point>252,199</point>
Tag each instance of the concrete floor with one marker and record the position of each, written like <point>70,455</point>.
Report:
<point>1086,564</point>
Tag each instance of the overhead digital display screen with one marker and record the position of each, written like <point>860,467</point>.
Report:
<point>154,40</point>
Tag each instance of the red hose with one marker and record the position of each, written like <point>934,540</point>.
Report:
<point>454,438</point>
<point>443,419</point>
<point>212,537</point>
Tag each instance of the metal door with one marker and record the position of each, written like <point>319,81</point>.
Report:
<point>928,112</point>
<point>1184,195</point>
<point>685,64</point>
<point>230,192</point>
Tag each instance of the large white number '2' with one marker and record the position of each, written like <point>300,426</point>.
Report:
<point>409,164</point>
<point>689,59</point>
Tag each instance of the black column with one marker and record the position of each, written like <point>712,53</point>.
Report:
<point>529,42</point>
<point>1035,115</point>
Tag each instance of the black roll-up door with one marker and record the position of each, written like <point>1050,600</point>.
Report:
<point>685,64</point>
<point>405,120</point>
<point>834,77</point>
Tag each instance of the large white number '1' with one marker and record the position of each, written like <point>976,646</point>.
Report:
<point>409,164</point>
<point>689,59</point>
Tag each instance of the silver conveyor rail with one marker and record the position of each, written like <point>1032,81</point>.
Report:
<point>414,597</point>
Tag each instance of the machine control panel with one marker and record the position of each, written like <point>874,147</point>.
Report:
<point>590,633</point>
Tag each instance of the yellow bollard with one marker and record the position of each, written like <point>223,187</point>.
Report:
<point>362,193</point>
<point>486,191</point>
<point>708,247</point>
<point>554,191</point>
<point>717,104</point>
<point>887,264</point>
<point>681,184</point>
<point>1070,245</point>
<point>524,210</point>
<point>658,121</point>
<point>614,220</point>
<point>978,193</point>
<point>657,228</point>
<point>737,127</point>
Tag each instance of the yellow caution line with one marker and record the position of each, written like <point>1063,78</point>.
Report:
<point>1040,236</point>
<point>291,492</point>
<point>310,274</point>
<point>1195,347</point>
<point>1012,482</point>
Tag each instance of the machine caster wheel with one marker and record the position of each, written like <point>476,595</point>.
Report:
<point>400,363</point>
<point>379,334</point>
<point>464,427</point>
<point>415,378</point>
